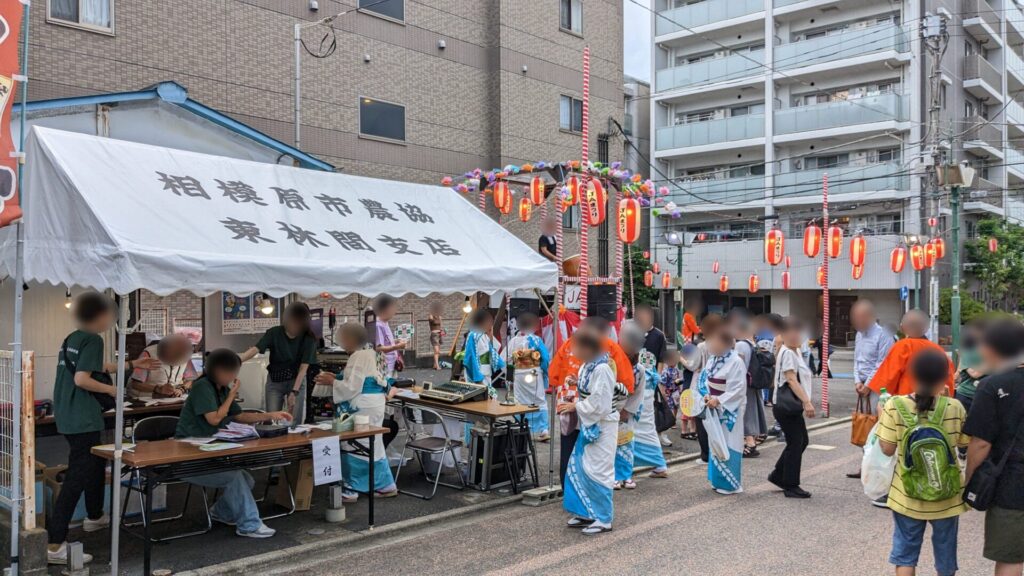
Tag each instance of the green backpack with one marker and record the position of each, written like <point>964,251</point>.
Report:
<point>929,469</point>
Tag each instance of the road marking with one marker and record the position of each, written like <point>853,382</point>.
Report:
<point>822,447</point>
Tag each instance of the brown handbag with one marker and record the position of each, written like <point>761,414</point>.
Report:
<point>863,422</point>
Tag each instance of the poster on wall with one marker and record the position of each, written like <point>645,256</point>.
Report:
<point>236,314</point>
<point>266,312</point>
<point>10,30</point>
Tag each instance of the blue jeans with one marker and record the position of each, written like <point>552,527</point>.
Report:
<point>277,392</point>
<point>236,503</point>
<point>908,535</point>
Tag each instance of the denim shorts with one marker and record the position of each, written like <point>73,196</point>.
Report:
<point>908,535</point>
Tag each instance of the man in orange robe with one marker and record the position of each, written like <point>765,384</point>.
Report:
<point>894,373</point>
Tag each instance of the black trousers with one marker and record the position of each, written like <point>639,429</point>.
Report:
<point>565,451</point>
<point>787,468</point>
<point>702,439</point>
<point>392,425</point>
<point>85,473</point>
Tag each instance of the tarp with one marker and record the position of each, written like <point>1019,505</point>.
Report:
<point>107,213</point>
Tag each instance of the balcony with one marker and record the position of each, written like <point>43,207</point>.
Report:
<point>981,20</point>
<point>735,131</point>
<point>704,13</point>
<point>984,196</point>
<point>1015,68</point>
<point>725,69</point>
<point>844,114</point>
<point>1014,24</point>
<point>881,39</point>
<point>1015,166</point>
<point>792,188</point>
<point>1015,114</point>
<point>723,190</point>
<point>982,138</point>
<point>982,79</point>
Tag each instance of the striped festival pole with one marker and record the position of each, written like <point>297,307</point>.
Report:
<point>824,297</point>
<point>619,282</point>
<point>584,203</point>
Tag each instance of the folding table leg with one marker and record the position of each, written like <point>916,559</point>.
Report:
<point>373,483</point>
<point>147,543</point>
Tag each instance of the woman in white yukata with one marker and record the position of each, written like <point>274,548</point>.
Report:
<point>591,470</point>
<point>361,389</point>
<point>723,386</point>
<point>531,359</point>
<point>480,356</point>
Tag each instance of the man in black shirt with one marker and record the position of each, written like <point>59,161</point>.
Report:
<point>993,422</point>
<point>547,245</point>
<point>655,341</point>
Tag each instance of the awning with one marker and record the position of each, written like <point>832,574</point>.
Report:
<point>106,213</point>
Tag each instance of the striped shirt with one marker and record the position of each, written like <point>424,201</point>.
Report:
<point>891,429</point>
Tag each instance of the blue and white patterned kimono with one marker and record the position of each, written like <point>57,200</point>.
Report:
<point>590,474</point>
<point>480,359</point>
<point>361,389</point>
<point>532,393</point>
<point>624,450</point>
<point>646,443</point>
<point>725,378</point>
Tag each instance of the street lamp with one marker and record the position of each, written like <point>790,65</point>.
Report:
<point>677,239</point>
<point>956,177</point>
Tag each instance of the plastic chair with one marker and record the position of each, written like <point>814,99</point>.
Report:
<point>429,445</point>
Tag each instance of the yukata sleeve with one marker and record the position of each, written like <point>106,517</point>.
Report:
<point>471,360</point>
<point>599,403</point>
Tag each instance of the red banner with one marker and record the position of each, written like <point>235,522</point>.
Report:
<point>10,31</point>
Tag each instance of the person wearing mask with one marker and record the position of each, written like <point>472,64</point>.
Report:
<point>694,362</point>
<point>361,389</point>
<point>654,339</point>
<point>531,359</point>
<point>631,339</point>
<point>481,356</point>
<point>292,347</point>
<point>211,406</point>
<point>929,370</point>
<point>547,244</point>
<point>591,468</point>
<point>792,372</point>
<point>722,385</point>
<point>385,307</point>
<point>972,369</point>
<point>82,387</point>
<point>994,426</point>
<point>870,348</point>
<point>176,372</point>
<point>754,422</point>
<point>436,332</point>
<point>894,372</point>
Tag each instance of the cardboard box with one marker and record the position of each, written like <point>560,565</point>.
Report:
<point>300,478</point>
<point>53,479</point>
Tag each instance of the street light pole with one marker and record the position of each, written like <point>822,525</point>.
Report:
<point>954,301</point>
<point>679,278</point>
<point>917,289</point>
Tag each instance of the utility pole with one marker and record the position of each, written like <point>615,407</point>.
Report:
<point>954,299</point>
<point>936,38</point>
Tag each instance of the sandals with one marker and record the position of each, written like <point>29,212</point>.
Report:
<point>595,529</point>
<point>750,452</point>
<point>577,522</point>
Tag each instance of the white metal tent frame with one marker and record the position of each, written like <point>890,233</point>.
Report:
<point>75,232</point>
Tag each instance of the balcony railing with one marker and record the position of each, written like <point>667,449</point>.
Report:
<point>1015,63</point>
<point>843,113</point>
<point>972,9</point>
<point>710,71</point>
<point>1015,159</point>
<point>842,180</point>
<point>704,13</point>
<point>884,37</point>
<point>724,190</point>
<point>977,68</point>
<point>977,129</point>
<point>1015,112</point>
<point>710,132</point>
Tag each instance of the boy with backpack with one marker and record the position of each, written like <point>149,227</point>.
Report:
<point>924,430</point>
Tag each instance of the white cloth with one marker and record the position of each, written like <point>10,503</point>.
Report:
<point>789,359</point>
<point>599,456</point>
<point>360,366</point>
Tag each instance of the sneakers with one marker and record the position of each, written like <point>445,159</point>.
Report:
<point>221,520</point>
<point>263,531</point>
<point>60,555</point>
<point>96,525</point>
<point>665,441</point>
<point>882,502</point>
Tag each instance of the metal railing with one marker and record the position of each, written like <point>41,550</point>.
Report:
<point>971,9</point>
<point>842,113</point>
<point>710,132</point>
<point>977,129</point>
<point>704,13</point>
<point>878,38</point>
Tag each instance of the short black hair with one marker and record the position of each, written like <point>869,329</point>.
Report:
<point>587,340</point>
<point>792,323</point>
<point>777,322</point>
<point>383,302</point>
<point>1005,337</point>
<point>89,306</point>
<point>930,367</point>
<point>528,319</point>
<point>221,359</point>
<point>480,315</point>
<point>598,323</point>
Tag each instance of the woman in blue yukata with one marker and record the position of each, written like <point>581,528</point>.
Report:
<point>531,359</point>
<point>480,356</point>
<point>361,389</point>
<point>646,442</point>
<point>723,387</point>
<point>591,470</point>
<point>631,340</point>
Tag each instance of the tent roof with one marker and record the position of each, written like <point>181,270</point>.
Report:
<point>107,213</point>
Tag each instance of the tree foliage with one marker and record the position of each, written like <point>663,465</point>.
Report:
<point>643,294</point>
<point>1001,273</point>
<point>970,308</point>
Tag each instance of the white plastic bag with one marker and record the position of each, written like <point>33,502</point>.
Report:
<point>876,469</point>
<point>717,443</point>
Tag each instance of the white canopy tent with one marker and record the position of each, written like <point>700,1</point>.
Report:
<point>111,214</point>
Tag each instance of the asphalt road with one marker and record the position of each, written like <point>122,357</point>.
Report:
<point>671,526</point>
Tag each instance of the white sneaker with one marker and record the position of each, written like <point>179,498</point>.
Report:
<point>60,556</point>
<point>725,492</point>
<point>96,525</point>
<point>263,531</point>
<point>220,520</point>
<point>665,440</point>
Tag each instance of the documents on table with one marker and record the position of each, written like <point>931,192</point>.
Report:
<point>196,441</point>
<point>163,401</point>
<point>407,393</point>
<point>218,446</point>
<point>237,431</point>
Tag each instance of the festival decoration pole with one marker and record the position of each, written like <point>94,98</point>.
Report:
<point>619,282</point>
<point>584,211</point>
<point>825,300</point>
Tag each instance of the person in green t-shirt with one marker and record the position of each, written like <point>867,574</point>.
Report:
<point>972,369</point>
<point>211,406</point>
<point>82,378</point>
<point>292,347</point>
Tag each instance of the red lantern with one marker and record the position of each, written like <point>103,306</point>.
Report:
<point>525,209</point>
<point>812,241</point>
<point>917,258</point>
<point>597,202</point>
<point>898,259</point>
<point>858,271</point>
<point>647,253</point>
<point>933,221</point>
<point>940,248</point>
<point>715,267</point>
<point>575,188</point>
<point>502,197</point>
<point>702,237</point>
<point>656,267</point>
<point>648,278</point>
<point>931,254</point>
<point>789,260</point>
<point>666,280</point>
<point>858,250</point>
<point>821,276</point>
<point>993,245</point>
<point>774,246</point>
<point>834,242</point>
<point>753,284</point>
<point>723,283</point>
<point>537,189</point>
<point>630,220</point>
<point>786,280</point>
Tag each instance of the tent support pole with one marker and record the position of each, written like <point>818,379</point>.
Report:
<point>115,476</point>
<point>553,421</point>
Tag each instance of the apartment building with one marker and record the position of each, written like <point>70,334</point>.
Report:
<point>756,101</point>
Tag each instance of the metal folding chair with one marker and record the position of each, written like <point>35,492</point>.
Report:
<point>270,472</point>
<point>425,444</point>
<point>147,430</point>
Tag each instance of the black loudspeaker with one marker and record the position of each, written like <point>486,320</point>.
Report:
<point>601,301</point>
<point>519,306</point>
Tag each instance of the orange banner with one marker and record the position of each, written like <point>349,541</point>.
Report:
<point>10,31</point>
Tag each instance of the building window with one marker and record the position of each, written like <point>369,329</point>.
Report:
<point>570,15</point>
<point>394,9</point>
<point>381,119</point>
<point>570,114</point>
<point>571,217</point>
<point>92,14</point>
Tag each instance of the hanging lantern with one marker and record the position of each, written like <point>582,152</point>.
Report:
<point>753,284</point>
<point>931,254</point>
<point>821,276</point>
<point>940,248</point>
<point>834,242</point>
<point>812,241</point>
<point>774,246</point>
<point>702,237</point>
<point>917,257</point>
<point>786,280</point>
<point>525,209</point>
<point>597,201</point>
<point>656,267</point>
<point>502,197</point>
<point>993,245</point>
<point>933,221</point>
<point>648,278</point>
<point>647,253</point>
<point>630,221</point>
<point>858,250</point>
<point>723,283</point>
<point>666,280</point>
<point>858,271</point>
<point>537,189</point>
<point>575,187</point>
<point>789,261</point>
<point>898,259</point>
<point>715,267</point>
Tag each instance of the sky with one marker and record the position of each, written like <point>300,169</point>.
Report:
<point>637,45</point>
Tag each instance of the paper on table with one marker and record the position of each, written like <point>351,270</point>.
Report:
<point>162,401</point>
<point>218,446</point>
<point>236,431</point>
<point>196,441</point>
<point>406,393</point>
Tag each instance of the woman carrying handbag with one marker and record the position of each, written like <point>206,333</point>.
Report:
<point>790,405</point>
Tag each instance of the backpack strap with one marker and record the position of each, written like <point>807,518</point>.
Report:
<point>939,412</point>
<point>909,420</point>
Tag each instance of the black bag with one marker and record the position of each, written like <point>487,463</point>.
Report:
<point>980,492</point>
<point>106,401</point>
<point>664,419</point>
<point>761,373</point>
<point>787,403</point>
